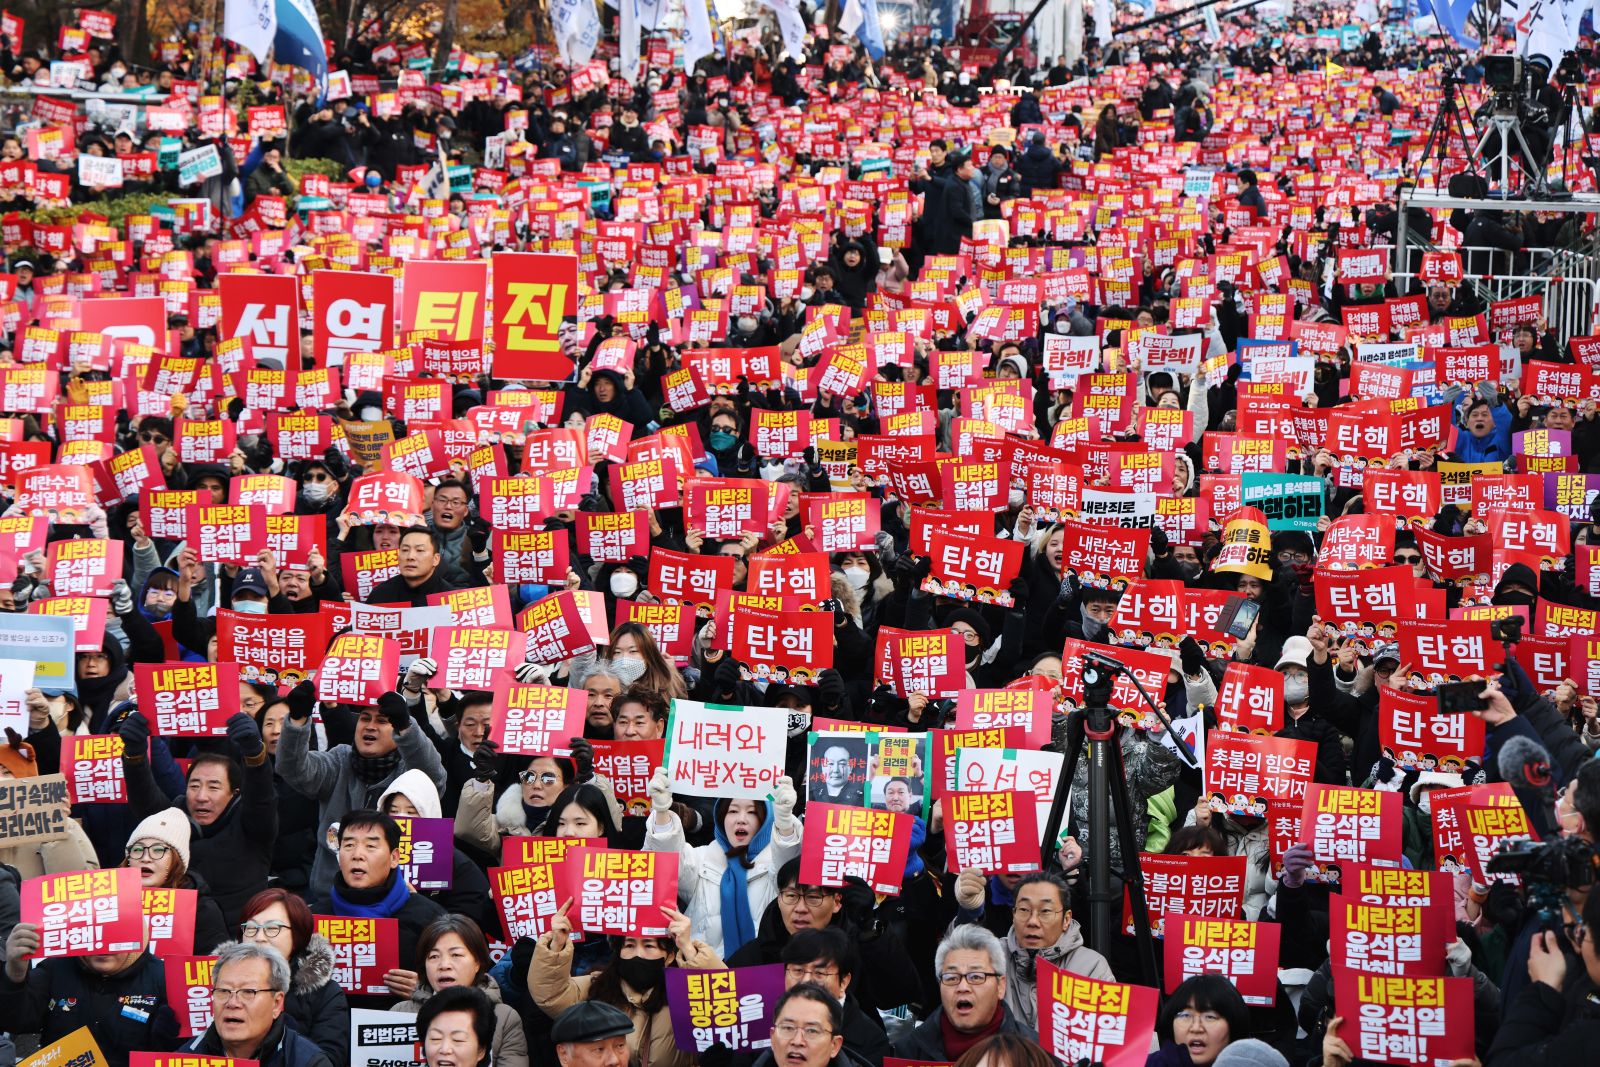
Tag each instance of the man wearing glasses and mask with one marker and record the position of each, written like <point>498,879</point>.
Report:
<point>248,985</point>
<point>971,967</point>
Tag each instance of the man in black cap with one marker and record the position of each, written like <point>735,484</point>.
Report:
<point>592,1033</point>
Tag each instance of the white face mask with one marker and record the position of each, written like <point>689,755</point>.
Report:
<point>629,668</point>
<point>1016,498</point>
<point>370,414</point>
<point>748,324</point>
<point>317,492</point>
<point>806,292</point>
<point>624,583</point>
<point>1425,802</point>
<point>250,607</point>
<point>858,577</point>
<point>1296,689</point>
<point>771,472</point>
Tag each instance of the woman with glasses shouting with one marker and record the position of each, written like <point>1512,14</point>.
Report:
<point>159,850</point>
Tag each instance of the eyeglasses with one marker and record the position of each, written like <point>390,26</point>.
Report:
<point>244,996</point>
<point>969,636</point>
<point>808,974</point>
<point>155,852</point>
<point>541,778</point>
<point>975,979</point>
<point>1290,555</point>
<point>1408,558</point>
<point>152,438</point>
<point>814,898</point>
<point>1187,1016</point>
<point>268,930</point>
<point>789,1031</point>
<point>1044,915</point>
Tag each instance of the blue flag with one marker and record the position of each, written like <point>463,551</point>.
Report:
<point>1452,16</point>
<point>299,41</point>
<point>861,18</point>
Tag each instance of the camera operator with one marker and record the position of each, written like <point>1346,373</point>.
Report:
<point>1556,1017</point>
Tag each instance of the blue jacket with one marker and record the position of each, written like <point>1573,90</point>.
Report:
<point>1494,448</point>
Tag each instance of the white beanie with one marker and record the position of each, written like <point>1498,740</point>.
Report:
<point>1437,779</point>
<point>417,787</point>
<point>170,827</point>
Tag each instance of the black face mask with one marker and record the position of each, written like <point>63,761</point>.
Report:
<point>1516,599</point>
<point>640,973</point>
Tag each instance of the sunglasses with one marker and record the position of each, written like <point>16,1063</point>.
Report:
<point>152,438</point>
<point>1407,559</point>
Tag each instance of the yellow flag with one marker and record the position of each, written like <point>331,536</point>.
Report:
<point>1331,71</point>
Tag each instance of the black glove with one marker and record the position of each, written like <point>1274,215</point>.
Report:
<point>521,960</point>
<point>245,735</point>
<point>135,734</point>
<point>1192,656</point>
<point>725,683</point>
<point>392,706</point>
<point>582,759</point>
<point>830,693</point>
<point>333,459</point>
<point>485,762</point>
<point>478,535</point>
<point>1159,545</point>
<point>301,699</point>
<point>923,568</point>
<point>1019,590</point>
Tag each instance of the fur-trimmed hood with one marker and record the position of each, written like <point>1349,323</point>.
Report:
<point>313,967</point>
<point>511,818</point>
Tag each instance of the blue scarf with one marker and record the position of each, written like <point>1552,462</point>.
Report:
<point>738,923</point>
<point>382,907</point>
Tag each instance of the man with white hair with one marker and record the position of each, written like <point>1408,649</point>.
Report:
<point>248,985</point>
<point>971,966</point>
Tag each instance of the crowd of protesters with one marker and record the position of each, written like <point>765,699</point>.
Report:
<point>1007,173</point>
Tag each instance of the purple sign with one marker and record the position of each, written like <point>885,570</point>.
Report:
<point>1571,494</point>
<point>732,1008</point>
<point>1546,443</point>
<point>427,852</point>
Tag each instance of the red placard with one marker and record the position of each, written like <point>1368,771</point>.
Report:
<point>973,567</point>
<point>1397,1019</point>
<point>1208,886</point>
<point>385,498</point>
<point>682,577</point>
<point>628,766</point>
<point>358,669</point>
<point>998,833</point>
<point>555,627</point>
<point>1404,939</point>
<point>472,657</point>
<point>726,508</point>
<point>619,892</point>
<point>1243,952</point>
<point>84,566</point>
<point>799,574</point>
<point>671,626</point>
<point>846,841</point>
<point>535,557</point>
<point>488,605</point>
<point>1246,772</point>
<point>1445,651</point>
<point>649,483</point>
<point>783,646</point>
<point>931,663</point>
<point>85,913</point>
<point>353,312</point>
<point>1488,827</point>
<point>1028,709</point>
<point>189,991</point>
<point>1250,699</point>
<point>613,536</point>
<point>227,533</point>
<point>536,720</point>
<point>1150,668</point>
<point>1345,824</point>
<point>1083,1019</point>
<point>844,522</point>
<point>1452,849</point>
<point>533,292</point>
<point>277,649</point>
<point>1356,541</point>
<point>364,950</point>
<point>88,617</point>
<point>1417,736</point>
<point>1105,557</point>
<point>170,915</point>
<point>187,699</point>
<point>93,767</point>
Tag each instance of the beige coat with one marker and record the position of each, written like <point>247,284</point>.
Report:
<point>481,821</point>
<point>554,989</point>
<point>74,852</point>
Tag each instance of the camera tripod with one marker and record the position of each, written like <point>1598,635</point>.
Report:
<point>1451,123</point>
<point>1095,726</point>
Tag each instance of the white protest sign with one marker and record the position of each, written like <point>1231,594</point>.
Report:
<point>16,678</point>
<point>103,172</point>
<point>383,1038</point>
<point>412,627</point>
<point>999,770</point>
<point>198,164</point>
<point>1067,357</point>
<point>726,750</point>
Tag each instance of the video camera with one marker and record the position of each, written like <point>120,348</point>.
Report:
<point>1548,870</point>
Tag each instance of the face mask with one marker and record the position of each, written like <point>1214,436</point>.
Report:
<point>1063,325</point>
<point>370,414</point>
<point>858,577</point>
<point>1092,628</point>
<point>629,668</point>
<point>1522,599</point>
<point>771,472</point>
<point>250,607</point>
<point>317,492</point>
<point>722,440</point>
<point>1425,803</point>
<point>1296,690</point>
<point>747,324</point>
<point>640,973</point>
<point>1190,571</point>
<point>1016,498</point>
<point>806,292</point>
<point>624,583</point>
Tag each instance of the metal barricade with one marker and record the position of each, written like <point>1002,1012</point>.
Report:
<point>1569,301</point>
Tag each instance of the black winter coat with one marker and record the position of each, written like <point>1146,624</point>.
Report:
<point>926,1042</point>
<point>127,1012</point>
<point>282,1047</point>
<point>316,1005</point>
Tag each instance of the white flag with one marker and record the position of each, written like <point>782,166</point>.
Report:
<point>628,41</point>
<point>577,28</point>
<point>790,26</point>
<point>251,23</point>
<point>1102,22</point>
<point>697,43</point>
